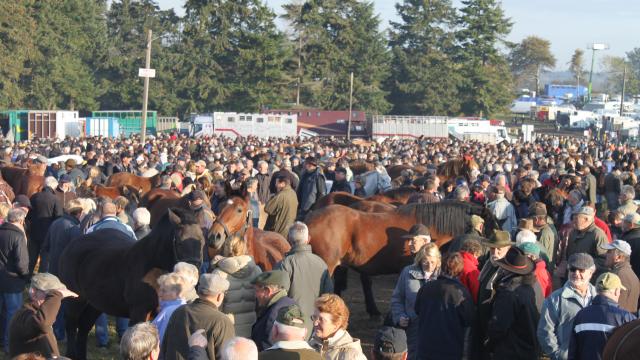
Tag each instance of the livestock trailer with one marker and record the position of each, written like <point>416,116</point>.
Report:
<point>50,124</point>
<point>408,127</point>
<point>13,123</point>
<point>244,124</point>
<point>130,121</point>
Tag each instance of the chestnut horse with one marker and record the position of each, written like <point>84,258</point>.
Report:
<point>623,344</point>
<point>395,171</point>
<point>399,196</point>
<point>144,184</point>
<point>353,201</point>
<point>458,167</point>
<point>25,181</point>
<point>266,247</point>
<point>373,244</point>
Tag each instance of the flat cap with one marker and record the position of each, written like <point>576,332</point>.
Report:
<point>273,277</point>
<point>581,261</point>
<point>212,284</point>
<point>418,230</point>
<point>586,210</point>
<point>291,316</point>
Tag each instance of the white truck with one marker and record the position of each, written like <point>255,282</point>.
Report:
<point>475,129</point>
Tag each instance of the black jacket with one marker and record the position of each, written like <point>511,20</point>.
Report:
<point>445,313</point>
<point>312,187</point>
<point>14,259</point>
<point>511,331</point>
<point>60,234</point>
<point>341,186</point>
<point>46,208</point>
<point>142,231</point>
<point>633,238</point>
<point>264,180</point>
<point>293,179</point>
<point>261,330</point>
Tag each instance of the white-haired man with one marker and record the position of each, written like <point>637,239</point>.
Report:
<point>190,273</point>
<point>307,272</point>
<point>46,208</point>
<point>627,195</point>
<point>289,337</point>
<point>587,238</point>
<point>141,221</point>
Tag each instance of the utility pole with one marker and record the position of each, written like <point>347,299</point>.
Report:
<point>350,107</point>
<point>624,83</point>
<point>299,69</point>
<point>594,47</point>
<point>147,65</point>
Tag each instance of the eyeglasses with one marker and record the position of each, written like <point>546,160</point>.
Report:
<point>575,269</point>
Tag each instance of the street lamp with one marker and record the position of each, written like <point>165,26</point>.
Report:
<point>594,47</point>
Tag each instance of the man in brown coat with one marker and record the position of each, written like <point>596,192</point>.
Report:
<point>31,328</point>
<point>281,208</point>
<point>203,313</point>
<point>618,254</point>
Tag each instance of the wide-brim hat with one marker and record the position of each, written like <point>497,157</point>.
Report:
<point>516,261</point>
<point>499,239</point>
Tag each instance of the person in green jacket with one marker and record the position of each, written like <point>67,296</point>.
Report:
<point>281,208</point>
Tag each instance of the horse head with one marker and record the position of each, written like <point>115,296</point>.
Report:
<point>133,195</point>
<point>234,219</point>
<point>470,168</point>
<point>188,240</point>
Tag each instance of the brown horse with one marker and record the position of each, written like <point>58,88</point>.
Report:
<point>623,344</point>
<point>372,206</point>
<point>266,247</point>
<point>143,184</point>
<point>373,244</point>
<point>457,167</point>
<point>399,196</point>
<point>354,202</point>
<point>395,171</point>
<point>361,166</point>
<point>25,181</point>
<point>157,201</point>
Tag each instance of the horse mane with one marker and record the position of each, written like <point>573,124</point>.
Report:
<point>440,215</point>
<point>401,191</point>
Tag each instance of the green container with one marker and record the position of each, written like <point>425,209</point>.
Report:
<point>16,121</point>
<point>130,121</point>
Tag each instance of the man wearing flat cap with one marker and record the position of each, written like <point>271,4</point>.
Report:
<point>312,187</point>
<point>586,237</point>
<point>289,335</point>
<point>511,331</point>
<point>594,324</point>
<point>30,329</point>
<point>271,289</point>
<point>618,254</point>
<point>202,313</point>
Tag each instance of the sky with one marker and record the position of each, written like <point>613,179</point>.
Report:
<point>568,24</point>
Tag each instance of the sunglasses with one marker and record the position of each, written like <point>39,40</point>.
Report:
<point>574,269</point>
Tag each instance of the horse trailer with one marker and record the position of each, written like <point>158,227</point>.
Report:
<point>233,125</point>
<point>407,127</point>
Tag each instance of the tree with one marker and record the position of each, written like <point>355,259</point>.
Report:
<point>530,57</point>
<point>424,78</point>
<point>576,65</point>
<point>633,60</point>
<point>16,49</point>
<point>615,70</point>
<point>487,85</point>
<point>333,39</point>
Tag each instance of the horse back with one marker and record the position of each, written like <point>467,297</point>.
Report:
<point>268,247</point>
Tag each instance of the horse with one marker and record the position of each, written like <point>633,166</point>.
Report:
<point>144,184</point>
<point>399,196</point>
<point>360,166</point>
<point>25,181</point>
<point>354,202</point>
<point>623,344</point>
<point>458,167</point>
<point>157,201</point>
<point>373,243</point>
<point>266,247</point>
<point>111,273</point>
<point>395,171</point>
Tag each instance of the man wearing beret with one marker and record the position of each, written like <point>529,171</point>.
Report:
<point>289,334</point>
<point>271,295</point>
<point>203,313</point>
<point>31,328</point>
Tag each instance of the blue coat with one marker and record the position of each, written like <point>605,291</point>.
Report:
<point>592,327</point>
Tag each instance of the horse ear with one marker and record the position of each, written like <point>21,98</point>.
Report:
<point>174,218</point>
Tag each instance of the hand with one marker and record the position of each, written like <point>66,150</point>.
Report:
<point>197,339</point>
<point>404,321</point>
<point>67,293</point>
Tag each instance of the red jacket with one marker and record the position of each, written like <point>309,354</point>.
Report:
<point>603,226</point>
<point>470,274</point>
<point>544,279</point>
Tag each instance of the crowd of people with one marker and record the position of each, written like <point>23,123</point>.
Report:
<point>555,279</point>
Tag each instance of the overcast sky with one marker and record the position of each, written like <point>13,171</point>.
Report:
<point>568,24</point>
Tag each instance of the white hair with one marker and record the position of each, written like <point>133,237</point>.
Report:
<point>290,332</point>
<point>51,182</point>
<point>299,233</point>
<point>141,216</point>
<point>239,348</point>
<point>188,271</point>
<point>525,236</point>
<point>628,191</point>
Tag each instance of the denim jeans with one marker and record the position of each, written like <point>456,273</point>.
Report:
<point>58,326</point>
<point>9,304</point>
<point>102,328</point>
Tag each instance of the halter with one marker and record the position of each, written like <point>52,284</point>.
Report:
<point>241,233</point>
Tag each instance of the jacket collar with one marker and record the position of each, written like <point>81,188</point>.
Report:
<point>621,265</point>
<point>300,249</point>
<point>291,345</point>
<point>416,272</point>
<point>569,292</point>
<point>603,300</point>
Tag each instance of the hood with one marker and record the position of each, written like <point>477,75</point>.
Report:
<point>238,266</point>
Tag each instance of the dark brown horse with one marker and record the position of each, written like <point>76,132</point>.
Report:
<point>157,201</point>
<point>266,247</point>
<point>107,269</point>
<point>399,196</point>
<point>624,343</point>
<point>143,184</point>
<point>457,167</point>
<point>372,243</point>
<point>25,181</point>
<point>395,171</point>
<point>354,202</point>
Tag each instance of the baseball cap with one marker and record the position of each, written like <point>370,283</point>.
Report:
<point>212,284</point>
<point>291,316</point>
<point>64,179</point>
<point>581,261</point>
<point>46,282</point>
<point>609,281</point>
<point>633,218</point>
<point>619,245</point>
<point>390,340</point>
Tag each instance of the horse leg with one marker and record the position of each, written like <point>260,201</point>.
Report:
<point>85,322</point>
<point>73,310</point>
<point>369,300</point>
<point>340,279</point>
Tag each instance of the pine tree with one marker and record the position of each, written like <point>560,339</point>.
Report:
<point>529,58</point>
<point>487,84</point>
<point>331,40</point>
<point>424,77</point>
